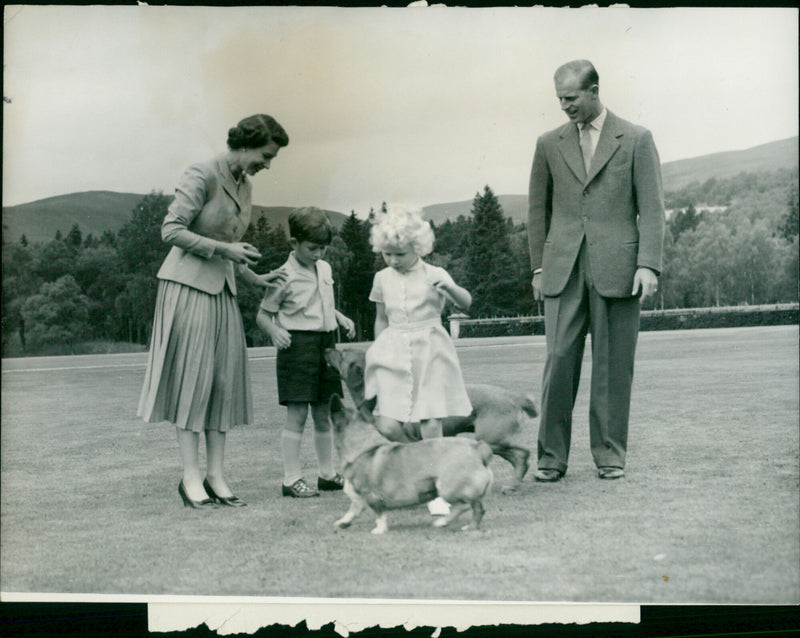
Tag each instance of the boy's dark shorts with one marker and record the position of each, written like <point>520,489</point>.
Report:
<point>303,374</point>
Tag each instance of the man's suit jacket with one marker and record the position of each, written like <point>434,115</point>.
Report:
<point>618,207</point>
<point>209,208</point>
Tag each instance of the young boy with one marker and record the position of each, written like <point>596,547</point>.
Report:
<point>300,317</point>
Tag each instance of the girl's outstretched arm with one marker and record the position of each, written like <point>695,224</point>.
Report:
<point>453,292</point>
<point>460,297</point>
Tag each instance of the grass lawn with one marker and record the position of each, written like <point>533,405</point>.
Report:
<point>708,512</point>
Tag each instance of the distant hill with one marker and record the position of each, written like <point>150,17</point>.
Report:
<point>98,211</point>
<point>766,157</point>
<point>677,174</point>
<point>514,206</point>
<point>94,212</point>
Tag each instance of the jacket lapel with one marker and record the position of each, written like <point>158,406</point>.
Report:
<point>570,149</point>
<point>227,181</point>
<point>607,145</point>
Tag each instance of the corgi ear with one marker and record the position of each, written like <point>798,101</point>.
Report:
<point>366,408</point>
<point>333,357</point>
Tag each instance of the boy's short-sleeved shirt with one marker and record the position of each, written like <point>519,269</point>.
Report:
<point>305,301</point>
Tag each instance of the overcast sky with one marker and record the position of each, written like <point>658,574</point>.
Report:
<point>421,105</point>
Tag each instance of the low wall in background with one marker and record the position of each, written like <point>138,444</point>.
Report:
<point>676,319</point>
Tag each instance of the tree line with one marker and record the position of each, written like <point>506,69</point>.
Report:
<point>76,288</point>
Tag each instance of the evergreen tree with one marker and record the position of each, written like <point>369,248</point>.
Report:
<point>338,256</point>
<point>521,291</point>
<point>491,271</point>
<point>74,237</point>
<point>108,238</point>
<point>257,232</point>
<point>139,240</point>
<point>358,273</point>
<point>683,220</point>
<point>271,242</point>
<point>276,249</point>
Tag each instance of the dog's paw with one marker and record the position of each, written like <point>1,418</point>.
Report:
<point>380,525</point>
<point>505,490</point>
<point>342,523</point>
<point>441,521</point>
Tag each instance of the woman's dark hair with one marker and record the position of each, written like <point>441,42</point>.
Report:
<point>310,224</point>
<point>256,131</point>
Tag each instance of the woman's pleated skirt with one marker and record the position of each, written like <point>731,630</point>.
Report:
<point>197,375</point>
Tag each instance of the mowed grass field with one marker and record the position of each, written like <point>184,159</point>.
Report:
<point>708,512</point>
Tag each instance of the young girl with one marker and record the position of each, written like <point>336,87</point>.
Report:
<point>412,366</point>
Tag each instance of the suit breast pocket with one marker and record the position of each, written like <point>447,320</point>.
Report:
<point>618,168</point>
<point>620,161</point>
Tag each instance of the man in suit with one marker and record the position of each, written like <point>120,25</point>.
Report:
<point>595,233</point>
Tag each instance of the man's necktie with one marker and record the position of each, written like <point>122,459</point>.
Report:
<point>586,147</point>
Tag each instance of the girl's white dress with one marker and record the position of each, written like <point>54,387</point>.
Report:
<point>412,366</point>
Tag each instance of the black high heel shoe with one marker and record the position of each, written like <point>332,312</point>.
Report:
<point>206,503</point>
<point>231,501</point>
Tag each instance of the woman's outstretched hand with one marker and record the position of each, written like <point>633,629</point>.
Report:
<point>241,253</point>
<point>272,277</point>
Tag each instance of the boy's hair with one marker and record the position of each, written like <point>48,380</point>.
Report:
<point>310,224</point>
<point>403,228</point>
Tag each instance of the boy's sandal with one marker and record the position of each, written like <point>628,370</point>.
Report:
<point>298,489</point>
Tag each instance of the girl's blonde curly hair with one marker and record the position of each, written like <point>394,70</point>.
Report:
<point>401,227</point>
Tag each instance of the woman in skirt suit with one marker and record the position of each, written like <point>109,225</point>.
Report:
<point>197,375</point>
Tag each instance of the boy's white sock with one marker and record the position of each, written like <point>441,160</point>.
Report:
<point>290,446</point>
<point>323,444</point>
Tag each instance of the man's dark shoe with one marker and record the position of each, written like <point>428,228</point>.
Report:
<point>332,484</point>
<point>548,475</point>
<point>298,489</point>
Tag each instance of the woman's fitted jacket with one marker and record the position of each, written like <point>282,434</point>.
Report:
<point>209,208</point>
